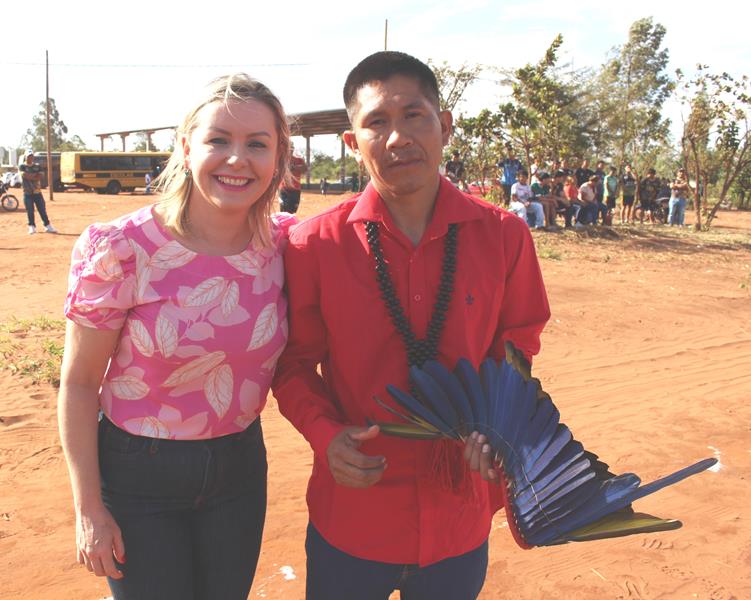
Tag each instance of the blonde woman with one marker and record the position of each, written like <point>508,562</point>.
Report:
<point>176,319</point>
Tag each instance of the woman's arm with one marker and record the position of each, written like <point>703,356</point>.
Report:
<point>87,354</point>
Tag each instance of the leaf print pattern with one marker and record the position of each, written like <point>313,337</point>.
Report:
<point>218,388</point>
<point>245,263</point>
<point>195,369</point>
<point>230,299</point>
<point>190,325</point>
<point>166,336</point>
<point>147,427</point>
<point>141,338</point>
<point>265,327</point>
<point>128,387</point>
<point>206,292</point>
<point>172,255</point>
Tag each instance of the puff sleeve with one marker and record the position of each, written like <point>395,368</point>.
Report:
<point>102,282</point>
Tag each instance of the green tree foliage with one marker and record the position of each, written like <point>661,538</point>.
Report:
<point>142,145</point>
<point>478,141</point>
<point>546,117</point>
<point>36,137</point>
<point>452,83</point>
<point>629,93</point>
<point>716,138</point>
<point>322,165</point>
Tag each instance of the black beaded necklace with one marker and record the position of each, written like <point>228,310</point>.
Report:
<point>418,351</point>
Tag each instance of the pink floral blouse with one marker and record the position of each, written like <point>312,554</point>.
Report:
<point>200,334</point>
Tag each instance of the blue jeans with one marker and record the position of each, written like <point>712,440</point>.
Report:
<point>336,575</point>
<point>191,512</point>
<point>677,208</point>
<point>32,200</point>
<point>587,214</point>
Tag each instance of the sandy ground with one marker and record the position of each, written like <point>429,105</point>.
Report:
<point>647,356</point>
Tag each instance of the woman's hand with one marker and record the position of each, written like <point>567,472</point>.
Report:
<point>99,541</point>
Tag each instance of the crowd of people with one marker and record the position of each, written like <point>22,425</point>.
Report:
<point>583,196</point>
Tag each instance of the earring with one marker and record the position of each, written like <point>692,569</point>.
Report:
<point>187,172</point>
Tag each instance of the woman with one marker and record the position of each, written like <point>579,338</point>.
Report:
<point>679,193</point>
<point>185,298</point>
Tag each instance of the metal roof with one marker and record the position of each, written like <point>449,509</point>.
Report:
<point>320,122</point>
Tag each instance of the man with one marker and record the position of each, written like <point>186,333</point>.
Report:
<point>509,168</point>
<point>523,201</point>
<point>455,170</point>
<point>409,269</point>
<point>649,190</point>
<point>542,192</point>
<point>31,178</point>
<point>628,187</point>
<point>583,173</point>
<point>289,195</point>
<point>611,188</point>
<point>588,198</point>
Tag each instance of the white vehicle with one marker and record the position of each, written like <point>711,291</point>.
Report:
<point>12,179</point>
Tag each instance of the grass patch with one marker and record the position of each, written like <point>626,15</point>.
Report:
<point>33,348</point>
<point>549,253</point>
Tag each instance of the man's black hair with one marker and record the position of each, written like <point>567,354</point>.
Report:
<point>382,66</point>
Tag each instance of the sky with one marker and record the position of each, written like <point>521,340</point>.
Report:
<point>140,64</point>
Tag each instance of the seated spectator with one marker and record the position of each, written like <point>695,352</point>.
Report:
<point>542,192</point>
<point>522,201</point>
<point>571,192</point>
<point>588,198</point>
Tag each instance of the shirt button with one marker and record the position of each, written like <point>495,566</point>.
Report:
<point>418,297</point>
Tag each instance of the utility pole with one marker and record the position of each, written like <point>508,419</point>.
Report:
<point>386,35</point>
<point>50,182</point>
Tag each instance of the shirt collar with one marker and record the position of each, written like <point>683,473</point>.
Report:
<point>451,206</point>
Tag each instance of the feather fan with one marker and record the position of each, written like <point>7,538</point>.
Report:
<point>554,490</point>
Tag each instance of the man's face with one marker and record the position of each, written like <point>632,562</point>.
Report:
<point>398,134</point>
<point>585,164</point>
<point>30,160</point>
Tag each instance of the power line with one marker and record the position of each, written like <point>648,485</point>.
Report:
<point>147,66</point>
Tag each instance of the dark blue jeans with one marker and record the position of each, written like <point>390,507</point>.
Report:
<point>32,200</point>
<point>336,575</point>
<point>191,512</point>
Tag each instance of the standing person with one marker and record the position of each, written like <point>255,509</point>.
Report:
<point>610,186</point>
<point>509,168</point>
<point>600,172</point>
<point>455,170</point>
<point>583,173</point>
<point>324,186</point>
<point>679,193</point>
<point>649,189</point>
<point>31,179</point>
<point>628,188</point>
<point>523,201</point>
<point>428,271</point>
<point>289,192</point>
<point>176,316</point>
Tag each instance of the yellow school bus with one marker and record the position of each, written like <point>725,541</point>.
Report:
<point>110,172</point>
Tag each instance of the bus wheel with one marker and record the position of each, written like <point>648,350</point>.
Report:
<point>114,187</point>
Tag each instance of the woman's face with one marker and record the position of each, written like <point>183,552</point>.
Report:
<point>232,153</point>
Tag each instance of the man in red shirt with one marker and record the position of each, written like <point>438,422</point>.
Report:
<point>289,195</point>
<point>410,269</point>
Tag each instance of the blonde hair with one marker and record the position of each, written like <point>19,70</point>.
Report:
<point>175,185</point>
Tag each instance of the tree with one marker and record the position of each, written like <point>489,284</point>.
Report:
<point>630,91</point>
<point>546,117</point>
<point>142,145</point>
<point>452,83</point>
<point>36,137</point>
<point>716,138</point>
<point>478,139</point>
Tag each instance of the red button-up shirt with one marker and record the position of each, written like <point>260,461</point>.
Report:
<point>338,320</point>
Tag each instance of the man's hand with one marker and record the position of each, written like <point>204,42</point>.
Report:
<point>351,467</point>
<point>478,454</point>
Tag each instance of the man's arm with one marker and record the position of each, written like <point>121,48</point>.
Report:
<point>300,390</point>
